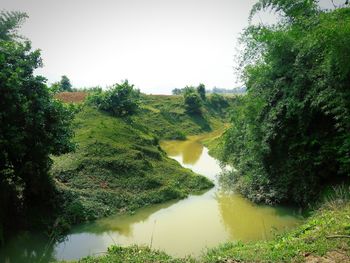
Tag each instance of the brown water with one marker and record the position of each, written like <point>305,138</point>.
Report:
<point>182,227</point>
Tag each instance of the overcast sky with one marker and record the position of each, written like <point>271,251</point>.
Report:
<point>156,44</point>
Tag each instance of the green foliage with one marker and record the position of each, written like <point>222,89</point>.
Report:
<point>9,23</point>
<point>192,100</point>
<point>218,101</point>
<point>133,254</point>
<point>118,167</point>
<point>33,126</point>
<point>201,91</point>
<point>65,84</point>
<point>176,91</point>
<point>291,133</point>
<point>121,100</point>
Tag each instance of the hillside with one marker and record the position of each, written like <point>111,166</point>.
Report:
<point>118,165</point>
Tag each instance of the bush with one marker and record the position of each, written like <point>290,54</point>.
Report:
<point>121,100</point>
<point>217,101</point>
<point>192,100</point>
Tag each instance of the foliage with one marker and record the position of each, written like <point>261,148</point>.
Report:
<point>9,23</point>
<point>218,101</point>
<point>33,126</point>
<point>291,133</point>
<point>65,84</point>
<point>118,167</point>
<point>201,91</point>
<point>133,254</point>
<point>120,100</point>
<point>176,91</point>
<point>192,100</point>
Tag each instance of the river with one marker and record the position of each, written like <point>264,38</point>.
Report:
<point>180,228</point>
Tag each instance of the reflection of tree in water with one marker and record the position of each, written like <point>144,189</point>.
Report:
<point>27,248</point>
<point>120,223</point>
<point>191,152</point>
<point>247,221</point>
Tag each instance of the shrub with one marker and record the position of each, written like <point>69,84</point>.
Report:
<point>121,100</point>
<point>192,100</point>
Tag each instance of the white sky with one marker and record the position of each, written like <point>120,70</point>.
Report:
<point>157,44</point>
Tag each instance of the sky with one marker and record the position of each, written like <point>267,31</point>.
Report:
<point>158,45</point>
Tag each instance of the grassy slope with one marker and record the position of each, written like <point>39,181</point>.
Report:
<point>166,117</point>
<point>308,243</point>
<point>119,166</point>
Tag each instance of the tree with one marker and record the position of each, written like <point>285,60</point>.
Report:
<point>176,91</point>
<point>201,91</point>
<point>33,126</point>
<point>192,100</point>
<point>9,23</point>
<point>65,84</point>
<point>120,100</point>
<point>291,134</point>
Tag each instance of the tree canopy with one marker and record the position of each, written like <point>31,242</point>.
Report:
<point>291,133</point>
<point>33,125</point>
<point>120,100</point>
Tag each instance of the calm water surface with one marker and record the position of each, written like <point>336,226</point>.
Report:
<point>179,228</point>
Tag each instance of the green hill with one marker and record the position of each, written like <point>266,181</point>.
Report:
<point>118,165</point>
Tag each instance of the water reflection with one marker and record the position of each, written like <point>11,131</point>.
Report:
<point>255,221</point>
<point>27,248</point>
<point>189,150</point>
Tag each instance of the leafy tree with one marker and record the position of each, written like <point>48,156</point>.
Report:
<point>218,101</point>
<point>122,99</point>
<point>33,126</point>
<point>192,100</point>
<point>9,23</point>
<point>65,84</point>
<point>201,91</point>
<point>291,133</point>
<point>176,91</point>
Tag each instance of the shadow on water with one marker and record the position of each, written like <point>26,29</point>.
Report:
<point>27,248</point>
<point>120,223</point>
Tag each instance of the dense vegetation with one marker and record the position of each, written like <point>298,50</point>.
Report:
<point>33,126</point>
<point>120,100</point>
<point>290,135</point>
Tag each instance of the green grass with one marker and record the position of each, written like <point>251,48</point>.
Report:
<point>166,117</point>
<point>134,254</point>
<point>119,166</point>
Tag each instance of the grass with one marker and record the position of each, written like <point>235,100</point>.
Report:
<point>166,117</point>
<point>119,166</point>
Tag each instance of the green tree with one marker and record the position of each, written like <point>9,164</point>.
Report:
<point>291,134</point>
<point>120,100</point>
<point>192,100</point>
<point>65,84</point>
<point>201,91</point>
<point>33,126</point>
<point>9,23</point>
<point>176,91</point>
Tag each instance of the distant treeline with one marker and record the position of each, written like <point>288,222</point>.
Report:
<point>238,90</point>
